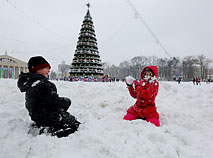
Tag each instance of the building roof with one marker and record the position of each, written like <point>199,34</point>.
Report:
<point>11,61</point>
<point>195,65</point>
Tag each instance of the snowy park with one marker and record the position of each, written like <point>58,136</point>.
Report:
<point>186,117</point>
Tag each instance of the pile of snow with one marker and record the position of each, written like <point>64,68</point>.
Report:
<point>186,130</point>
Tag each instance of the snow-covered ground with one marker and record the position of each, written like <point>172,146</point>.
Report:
<point>186,131</point>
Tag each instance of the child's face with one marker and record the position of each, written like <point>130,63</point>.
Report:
<point>148,73</point>
<point>45,72</point>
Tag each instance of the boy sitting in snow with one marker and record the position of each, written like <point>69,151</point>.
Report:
<point>45,107</point>
<point>145,92</point>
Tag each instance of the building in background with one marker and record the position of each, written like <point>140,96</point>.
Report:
<point>210,71</point>
<point>63,70</point>
<point>86,61</point>
<point>11,67</point>
<point>196,70</point>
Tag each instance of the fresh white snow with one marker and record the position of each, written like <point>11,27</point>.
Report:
<point>186,130</point>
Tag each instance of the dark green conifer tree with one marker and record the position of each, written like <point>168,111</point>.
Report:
<point>86,61</point>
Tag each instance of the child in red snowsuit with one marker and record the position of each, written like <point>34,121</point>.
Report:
<point>145,92</point>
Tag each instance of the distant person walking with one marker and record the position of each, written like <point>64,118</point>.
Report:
<point>209,81</point>
<point>196,80</point>
<point>199,81</point>
<point>193,81</point>
<point>179,80</point>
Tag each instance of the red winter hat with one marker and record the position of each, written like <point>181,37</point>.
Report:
<point>153,68</point>
<point>37,63</point>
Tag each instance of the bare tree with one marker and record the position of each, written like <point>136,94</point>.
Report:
<point>203,61</point>
<point>168,68</point>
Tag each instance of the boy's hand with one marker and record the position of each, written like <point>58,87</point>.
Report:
<point>66,103</point>
<point>129,80</point>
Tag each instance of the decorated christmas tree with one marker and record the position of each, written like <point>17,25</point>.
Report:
<point>86,61</point>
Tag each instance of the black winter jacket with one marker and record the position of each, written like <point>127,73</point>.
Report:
<point>42,101</point>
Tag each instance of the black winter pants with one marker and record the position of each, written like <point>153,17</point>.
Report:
<point>60,126</point>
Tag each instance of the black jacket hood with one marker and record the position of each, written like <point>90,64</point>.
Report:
<point>26,80</point>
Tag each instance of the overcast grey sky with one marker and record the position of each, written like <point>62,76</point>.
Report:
<point>50,28</point>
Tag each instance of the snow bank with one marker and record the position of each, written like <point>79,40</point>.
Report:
<point>186,130</point>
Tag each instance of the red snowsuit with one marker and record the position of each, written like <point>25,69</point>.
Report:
<point>145,93</point>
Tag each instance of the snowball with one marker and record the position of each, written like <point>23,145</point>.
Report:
<point>129,79</point>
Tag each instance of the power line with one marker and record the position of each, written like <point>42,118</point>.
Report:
<point>35,21</point>
<point>37,51</point>
<point>137,15</point>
